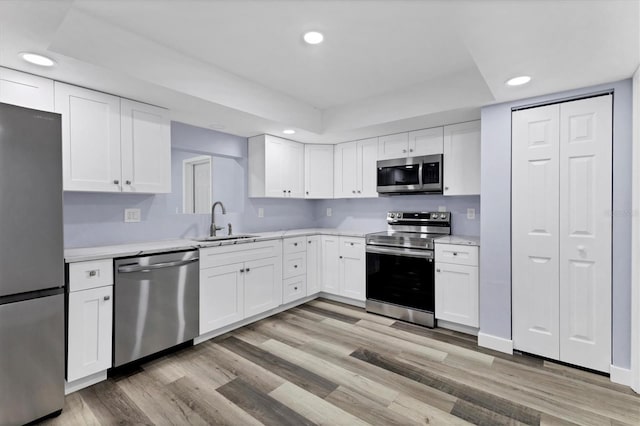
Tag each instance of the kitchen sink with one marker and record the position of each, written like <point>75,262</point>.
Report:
<point>224,238</point>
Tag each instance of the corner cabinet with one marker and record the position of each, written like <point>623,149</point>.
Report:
<point>111,144</point>
<point>462,159</point>
<point>355,169</point>
<point>26,90</point>
<point>276,167</point>
<point>456,282</point>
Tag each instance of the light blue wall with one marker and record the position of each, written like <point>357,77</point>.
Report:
<point>495,223</point>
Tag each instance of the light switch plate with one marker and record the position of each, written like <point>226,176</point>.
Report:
<point>132,215</point>
<point>471,213</point>
<point>329,211</point>
<point>260,211</point>
<point>442,208</point>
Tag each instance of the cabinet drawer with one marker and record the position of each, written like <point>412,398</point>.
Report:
<point>295,245</point>
<point>294,289</point>
<point>294,264</point>
<point>238,253</point>
<point>458,254</point>
<point>352,247</point>
<point>93,274</point>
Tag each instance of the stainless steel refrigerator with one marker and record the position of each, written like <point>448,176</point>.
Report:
<point>32,338</point>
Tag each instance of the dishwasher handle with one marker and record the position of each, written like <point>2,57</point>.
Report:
<point>148,268</point>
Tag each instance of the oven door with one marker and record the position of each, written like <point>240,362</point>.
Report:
<point>400,175</point>
<point>401,276</point>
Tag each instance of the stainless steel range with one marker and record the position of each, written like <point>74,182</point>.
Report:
<point>400,266</point>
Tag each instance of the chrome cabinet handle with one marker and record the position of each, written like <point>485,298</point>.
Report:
<point>116,182</point>
<point>107,297</point>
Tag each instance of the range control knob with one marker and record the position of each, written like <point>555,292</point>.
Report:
<point>443,216</point>
<point>434,215</point>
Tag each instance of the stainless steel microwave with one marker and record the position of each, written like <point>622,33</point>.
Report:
<point>409,175</point>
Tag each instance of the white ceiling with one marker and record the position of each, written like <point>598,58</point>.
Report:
<point>385,66</point>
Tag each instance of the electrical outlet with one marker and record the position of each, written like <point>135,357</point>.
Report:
<point>260,212</point>
<point>132,215</point>
<point>471,213</point>
<point>442,208</point>
<point>329,211</point>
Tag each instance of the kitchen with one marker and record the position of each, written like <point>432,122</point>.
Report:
<point>298,143</point>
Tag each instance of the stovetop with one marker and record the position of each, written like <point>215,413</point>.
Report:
<point>415,230</point>
<point>402,239</point>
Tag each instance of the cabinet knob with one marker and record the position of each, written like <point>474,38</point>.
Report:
<point>455,253</point>
<point>247,270</point>
<point>340,257</point>
<point>289,191</point>
<point>437,270</point>
<point>295,244</point>
<point>309,241</point>
<point>353,192</point>
<point>404,150</point>
<point>107,297</point>
<point>241,270</point>
<point>351,243</point>
<point>93,273</point>
<point>116,181</point>
<point>295,288</point>
<point>359,192</point>
<point>307,192</point>
<point>284,191</point>
<point>446,188</point>
<point>410,149</point>
<point>295,266</point>
<point>128,182</point>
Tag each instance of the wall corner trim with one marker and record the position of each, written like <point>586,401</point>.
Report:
<point>621,376</point>
<point>496,343</point>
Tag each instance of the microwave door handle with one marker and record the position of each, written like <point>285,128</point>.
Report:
<point>420,183</point>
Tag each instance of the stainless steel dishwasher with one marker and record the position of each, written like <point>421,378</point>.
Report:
<point>155,304</point>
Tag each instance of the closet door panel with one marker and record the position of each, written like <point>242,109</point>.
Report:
<point>535,226</point>
<point>585,232</point>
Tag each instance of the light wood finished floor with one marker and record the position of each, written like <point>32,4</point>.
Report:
<point>327,363</point>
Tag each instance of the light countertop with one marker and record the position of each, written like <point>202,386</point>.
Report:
<point>137,249</point>
<point>459,240</point>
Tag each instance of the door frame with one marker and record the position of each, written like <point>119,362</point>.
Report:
<point>187,178</point>
<point>635,241</point>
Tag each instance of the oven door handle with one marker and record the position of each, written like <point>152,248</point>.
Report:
<point>423,254</point>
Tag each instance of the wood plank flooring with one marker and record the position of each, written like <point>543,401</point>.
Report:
<point>332,364</point>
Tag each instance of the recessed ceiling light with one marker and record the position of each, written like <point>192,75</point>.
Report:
<point>288,131</point>
<point>36,59</point>
<point>518,81</point>
<point>313,37</point>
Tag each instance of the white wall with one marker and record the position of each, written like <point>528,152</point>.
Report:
<point>495,218</point>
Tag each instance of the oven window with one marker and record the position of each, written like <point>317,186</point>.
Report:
<point>399,175</point>
<point>401,280</point>
<point>431,172</point>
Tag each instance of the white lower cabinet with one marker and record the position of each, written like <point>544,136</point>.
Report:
<point>343,271</point>
<point>294,288</point>
<point>89,332</point>
<point>314,265</point>
<point>294,266</point>
<point>456,282</point>
<point>245,281</point>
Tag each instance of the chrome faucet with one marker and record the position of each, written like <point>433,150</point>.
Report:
<point>213,229</point>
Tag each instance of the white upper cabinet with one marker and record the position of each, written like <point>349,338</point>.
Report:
<point>355,169</point>
<point>318,171</point>
<point>276,167</point>
<point>26,90</point>
<point>418,142</point>
<point>426,141</point>
<point>112,145</point>
<point>90,139</point>
<point>146,148</point>
<point>393,146</point>
<point>462,159</point>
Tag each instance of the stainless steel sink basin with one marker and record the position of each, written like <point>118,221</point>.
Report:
<point>224,238</point>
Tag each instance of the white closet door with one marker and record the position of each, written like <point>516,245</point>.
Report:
<point>585,232</point>
<point>535,227</point>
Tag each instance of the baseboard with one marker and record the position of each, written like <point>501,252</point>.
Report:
<point>85,382</point>
<point>496,343</point>
<point>621,376</point>
<point>457,327</point>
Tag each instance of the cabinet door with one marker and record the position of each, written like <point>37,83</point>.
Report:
<point>367,168</point>
<point>146,148</point>
<point>294,289</point>
<point>352,268</point>
<point>90,139</point>
<point>426,141</point>
<point>457,293</point>
<point>585,232</point>
<point>318,171</point>
<point>346,170</point>
<point>262,285</point>
<point>221,296</point>
<point>89,332</point>
<point>26,90</point>
<point>462,159</point>
<point>393,146</point>
<point>314,265</point>
<point>275,151</point>
<point>330,264</point>
<point>293,169</point>
<point>534,231</point>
